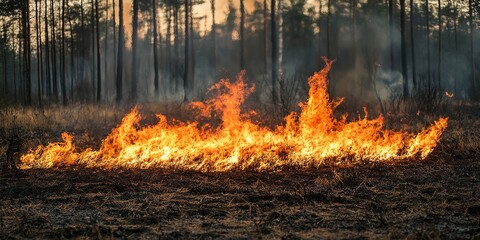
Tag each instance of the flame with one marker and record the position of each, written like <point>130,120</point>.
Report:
<point>449,95</point>
<point>311,138</point>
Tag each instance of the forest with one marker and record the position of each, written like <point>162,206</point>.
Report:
<point>239,119</point>
<point>80,51</point>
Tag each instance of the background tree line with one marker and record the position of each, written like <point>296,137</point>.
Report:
<point>68,51</point>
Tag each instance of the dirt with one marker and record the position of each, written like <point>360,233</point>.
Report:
<point>435,198</point>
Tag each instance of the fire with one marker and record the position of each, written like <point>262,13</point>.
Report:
<point>449,95</point>
<point>311,138</point>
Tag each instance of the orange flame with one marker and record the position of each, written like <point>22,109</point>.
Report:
<point>449,95</point>
<point>312,138</point>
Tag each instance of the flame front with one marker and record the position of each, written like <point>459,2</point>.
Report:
<point>311,138</point>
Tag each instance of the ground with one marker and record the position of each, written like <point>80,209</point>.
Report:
<point>436,198</point>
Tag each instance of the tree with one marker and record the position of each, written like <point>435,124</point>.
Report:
<point>186,86</point>
<point>404,48</point>
<point>472,54</point>
<point>273,39</point>
<point>427,16</point>
<point>280,36</point>
<point>439,58</point>
<point>63,81</point>
<point>120,53</point>
<point>133,93</point>
<point>155,46</point>
<point>265,37</point>
<point>39,54</point>
<point>412,45</point>
<point>329,17</point>
<point>390,33</point>
<point>214,35</point>
<point>242,35</point>
<point>26,52</point>
<point>99,74</point>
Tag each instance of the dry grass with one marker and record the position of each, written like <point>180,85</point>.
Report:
<point>435,198</point>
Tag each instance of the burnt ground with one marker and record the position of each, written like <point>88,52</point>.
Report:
<point>435,198</point>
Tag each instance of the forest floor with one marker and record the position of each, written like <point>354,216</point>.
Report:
<point>416,199</point>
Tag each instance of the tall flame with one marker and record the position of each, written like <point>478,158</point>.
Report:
<point>311,138</point>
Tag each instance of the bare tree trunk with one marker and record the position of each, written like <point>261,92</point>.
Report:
<point>106,50</point>
<point>214,36</point>
<point>412,41</point>
<point>186,87</point>
<point>169,41</point>
<point>114,41</point>
<point>329,16</point>
<point>192,48</point>
<point>155,46</point>
<point>120,53</point>
<point>176,44</point>
<point>427,15</point>
<point>242,35</point>
<point>54,53</point>
<point>455,25</point>
<point>439,59</point>
<point>4,48</point>
<point>265,37</point>
<point>133,92</point>
<point>273,39</point>
<point>404,48</point>
<point>26,52</point>
<point>72,61</point>
<point>63,82</point>
<point>390,34</point>
<point>99,69</point>
<point>280,37</point>
<point>39,56</point>
<point>48,79</point>
<point>472,54</point>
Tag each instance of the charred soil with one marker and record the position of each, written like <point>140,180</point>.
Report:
<point>435,198</point>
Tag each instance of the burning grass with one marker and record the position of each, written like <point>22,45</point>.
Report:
<point>311,138</point>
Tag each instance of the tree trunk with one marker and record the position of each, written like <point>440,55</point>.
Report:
<point>273,39</point>
<point>404,48</point>
<point>48,79</point>
<point>412,41</point>
<point>106,51</point>
<point>120,52</point>
<point>155,46</point>
<point>192,49</point>
<point>54,53</point>
<point>168,66</point>
<point>455,25</point>
<point>427,15</point>
<point>99,69</point>
<point>186,87</point>
<point>26,52</point>
<point>472,54</point>
<point>63,82</point>
<point>39,55</point>
<point>329,16</point>
<point>439,59</point>
<point>280,37</point>
<point>265,37</point>
<point>133,92</point>
<point>214,36</point>
<point>390,34</point>
<point>242,35</point>
<point>4,48</point>
<point>176,44</point>
<point>72,61</point>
